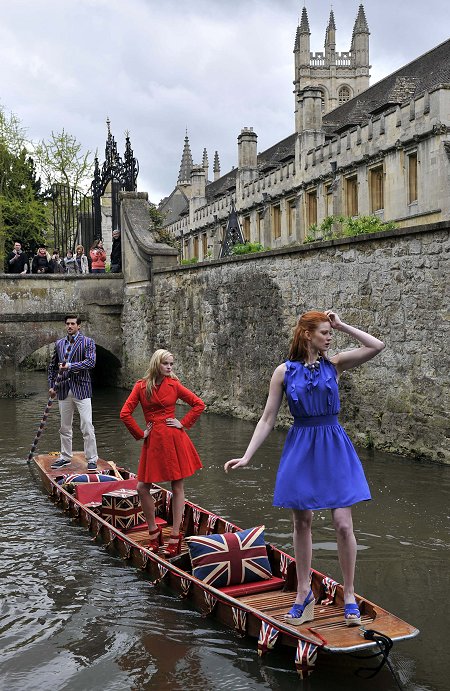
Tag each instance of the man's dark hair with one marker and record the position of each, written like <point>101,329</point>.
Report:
<point>72,316</point>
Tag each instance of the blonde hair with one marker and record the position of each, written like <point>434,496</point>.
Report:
<point>153,370</point>
<point>79,247</point>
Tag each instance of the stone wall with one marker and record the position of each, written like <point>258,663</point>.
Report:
<point>229,323</point>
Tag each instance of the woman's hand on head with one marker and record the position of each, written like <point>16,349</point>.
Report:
<point>334,319</point>
<point>234,464</point>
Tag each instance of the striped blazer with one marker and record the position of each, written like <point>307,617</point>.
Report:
<point>77,378</point>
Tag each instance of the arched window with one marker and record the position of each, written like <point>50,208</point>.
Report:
<point>344,95</point>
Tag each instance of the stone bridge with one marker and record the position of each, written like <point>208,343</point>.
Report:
<point>32,307</point>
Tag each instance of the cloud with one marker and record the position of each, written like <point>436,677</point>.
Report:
<point>156,68</point>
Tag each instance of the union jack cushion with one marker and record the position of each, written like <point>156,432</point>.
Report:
<point>230,558</point>
<point>87,477</point>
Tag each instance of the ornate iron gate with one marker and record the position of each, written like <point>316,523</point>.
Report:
<point>77,217</point>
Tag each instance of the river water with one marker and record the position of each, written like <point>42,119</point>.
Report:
<point>75,617</point>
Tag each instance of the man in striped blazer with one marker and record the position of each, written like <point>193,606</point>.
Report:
<point>74,390</point>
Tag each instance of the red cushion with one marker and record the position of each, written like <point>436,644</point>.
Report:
<point>92,491</point>
<point>241,589</point>
<point>160,522</point>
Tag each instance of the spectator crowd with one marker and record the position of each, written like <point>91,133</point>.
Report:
<point>18,261</point>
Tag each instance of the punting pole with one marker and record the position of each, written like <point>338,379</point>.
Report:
<point>41,427</point>
<point>116,470</point>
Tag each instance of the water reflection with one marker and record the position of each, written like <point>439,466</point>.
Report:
<point>74,617</point>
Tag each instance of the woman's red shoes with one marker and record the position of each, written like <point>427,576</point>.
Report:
<point>155,540</point>
<point>173,547</point>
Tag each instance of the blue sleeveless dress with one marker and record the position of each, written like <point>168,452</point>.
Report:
<point>319,468</point>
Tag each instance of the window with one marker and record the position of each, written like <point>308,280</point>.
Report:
<point>291,216</point>
<point>376,187</point>
<point>311,208</point>
<point>344,95</point>
<point>246,228</point>
<point>412,177</point>
<point>186,249</point>
<point>204,245</point>
<point>322,98</point>
<point>260,226</point>
<point>276,221</point>
<point>351,195</point>
<point>328,190</point>
<point>195,246</point>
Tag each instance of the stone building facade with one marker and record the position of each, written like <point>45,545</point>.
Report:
<point>385,151</point>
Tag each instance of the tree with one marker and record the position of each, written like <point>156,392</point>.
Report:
<point>22,208</point>
<point>61,161</point>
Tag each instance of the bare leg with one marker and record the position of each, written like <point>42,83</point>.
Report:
<point>303,551</point>
<point>346,543</point>
<point>147,503</point>
<point>177,505</point>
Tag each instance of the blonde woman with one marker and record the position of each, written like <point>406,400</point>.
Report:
<point>81,260</point>
<point>167,453</point>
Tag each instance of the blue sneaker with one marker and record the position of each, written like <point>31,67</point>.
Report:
<point>60,463</point>
<point>92,467</point>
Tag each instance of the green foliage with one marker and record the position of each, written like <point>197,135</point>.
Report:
<point>156,216</point>
<point>248,248</point>
<point>193,260</point>
<point>336,227</point>
<point>22,204</point>
<point>61,161</point>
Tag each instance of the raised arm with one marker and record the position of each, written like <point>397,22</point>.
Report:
<point>266,422</point>
<point>370,346</point>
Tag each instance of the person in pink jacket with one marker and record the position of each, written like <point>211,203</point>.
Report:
<point>98,257</point>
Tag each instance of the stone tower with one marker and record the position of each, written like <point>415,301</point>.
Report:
<point>339,76</point>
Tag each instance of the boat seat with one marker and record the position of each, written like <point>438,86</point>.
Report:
<point>254,588</point>
<point>87,492</point>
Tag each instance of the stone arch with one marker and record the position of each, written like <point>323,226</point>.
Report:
<point>344,94</point>
<point>325,97</point>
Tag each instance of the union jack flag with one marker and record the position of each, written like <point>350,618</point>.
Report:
<point>185,586</point>
<point>285,560</point>
<point>229,527</point>
<point>211,524</point>
<point>330,590</point>
<point>239,619</point>
<point>210,602</point>
<point>168,502</point>
<point>230,558</point>
<point>196,514</point>
<point>305,658</point>
<point>268,636</point>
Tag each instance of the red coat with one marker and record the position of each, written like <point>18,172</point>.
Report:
<point>167,453</point>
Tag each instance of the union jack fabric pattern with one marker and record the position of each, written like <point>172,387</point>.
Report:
<point>185,586</point>
<point>229,527</point>
<point>211,523</point>
<point>330,590</point>
<point>196,515</point>
<point>168,502</point>
<point>230,558</point>
<point>210,602</point>
<point>156,495</point>
<point>268,636</point>
<point>239,619</point>
<point>284,563</point>
<point>305,658</point>
<point>87,477</point>
<point>122,509</point>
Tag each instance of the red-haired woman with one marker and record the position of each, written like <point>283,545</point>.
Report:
<point>319,468</point>
<point>168,454</point>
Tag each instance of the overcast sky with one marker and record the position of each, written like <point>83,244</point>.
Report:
<point>157,67</point>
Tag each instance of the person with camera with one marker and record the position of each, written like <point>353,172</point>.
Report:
<point>98,257</point>
<point>17,261</point>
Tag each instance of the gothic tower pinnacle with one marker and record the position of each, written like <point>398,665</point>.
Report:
<point>184,176</point>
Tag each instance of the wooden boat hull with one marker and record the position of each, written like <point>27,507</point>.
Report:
<point>257,614</point>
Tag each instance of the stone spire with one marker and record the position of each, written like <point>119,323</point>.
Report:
<point>361,25</point>
<point>302,41</point>
<point>360,40</point>
<point>205,164</point>
<point>330,41</point>
<point>184,175</point>
<point>216,166</point>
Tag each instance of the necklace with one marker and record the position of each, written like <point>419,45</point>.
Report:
<point>313,366</point>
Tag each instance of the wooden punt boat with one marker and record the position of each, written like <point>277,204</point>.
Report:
<point>254,609</point>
